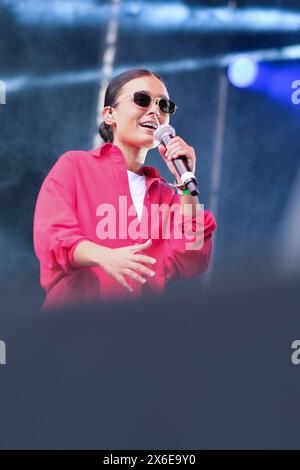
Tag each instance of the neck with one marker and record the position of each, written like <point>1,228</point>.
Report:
<point>134,156</point>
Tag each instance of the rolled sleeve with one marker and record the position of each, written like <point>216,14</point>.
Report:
<point>56,229</point>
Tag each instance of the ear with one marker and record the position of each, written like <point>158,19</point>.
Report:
<point>107,115</point>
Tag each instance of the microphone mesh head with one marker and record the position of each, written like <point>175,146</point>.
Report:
<point>162,130</point>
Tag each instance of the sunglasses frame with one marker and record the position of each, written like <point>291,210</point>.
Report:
<point>157,100</point>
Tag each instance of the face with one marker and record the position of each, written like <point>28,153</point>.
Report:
<point>127,115</point>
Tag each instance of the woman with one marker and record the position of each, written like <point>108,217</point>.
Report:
<point>95,233</point>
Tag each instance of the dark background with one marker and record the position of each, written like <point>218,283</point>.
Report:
<point>234,382</point>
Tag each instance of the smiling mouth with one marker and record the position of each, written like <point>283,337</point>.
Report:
<point>149,129</point>
<point>150,124</point>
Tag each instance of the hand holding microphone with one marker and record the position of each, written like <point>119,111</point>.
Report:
<point>178,156</point>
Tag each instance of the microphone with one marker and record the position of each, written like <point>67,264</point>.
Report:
<point>164,133</point>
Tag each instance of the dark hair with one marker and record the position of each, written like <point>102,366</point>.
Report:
<point>112,92</point>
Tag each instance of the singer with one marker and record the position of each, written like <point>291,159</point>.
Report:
<point>82,258</point>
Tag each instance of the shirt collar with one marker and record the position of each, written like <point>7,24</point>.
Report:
<point>114,152</point>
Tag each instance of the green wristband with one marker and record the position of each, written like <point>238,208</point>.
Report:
<point>186,191</point>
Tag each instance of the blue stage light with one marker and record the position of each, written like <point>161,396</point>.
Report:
<point>242,72</point>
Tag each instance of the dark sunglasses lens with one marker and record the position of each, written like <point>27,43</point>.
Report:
<point>142,99</point>
<point>167,106</point>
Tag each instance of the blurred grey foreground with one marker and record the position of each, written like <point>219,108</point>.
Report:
<point>191,369</point>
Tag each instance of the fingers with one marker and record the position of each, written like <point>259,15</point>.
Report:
<point>129,272</point>
<point>175,151</point>
<point>121,280</point>
<point>177,146</point>
<point>144,259</point>
<point>134,275</point>
<point>142,269</point>
<point>162,150</point>
<point>140,246</point>
<point>175,142</point>
<point>178,149</point>
<point>128,263</point>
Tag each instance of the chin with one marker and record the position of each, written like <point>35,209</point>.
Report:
<point>152,144</point>
<point>147,142</point>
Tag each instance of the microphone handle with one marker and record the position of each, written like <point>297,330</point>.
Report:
<point>181,165</point>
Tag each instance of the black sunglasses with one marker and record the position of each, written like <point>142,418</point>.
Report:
<point>143,99</point>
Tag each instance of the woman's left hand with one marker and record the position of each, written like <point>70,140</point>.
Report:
<point>176,147</point>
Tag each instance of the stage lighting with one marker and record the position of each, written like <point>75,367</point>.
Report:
<point>242,71</point>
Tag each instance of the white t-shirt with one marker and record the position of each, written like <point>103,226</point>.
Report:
<point>137,185</point>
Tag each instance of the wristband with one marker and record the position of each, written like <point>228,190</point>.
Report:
<point>181,189</point>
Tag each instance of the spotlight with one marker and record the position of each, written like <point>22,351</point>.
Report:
<point>242,71</point>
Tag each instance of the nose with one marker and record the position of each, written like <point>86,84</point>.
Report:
<point>154,108</point>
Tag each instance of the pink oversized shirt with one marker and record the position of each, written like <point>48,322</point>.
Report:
<point>86,196</point>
